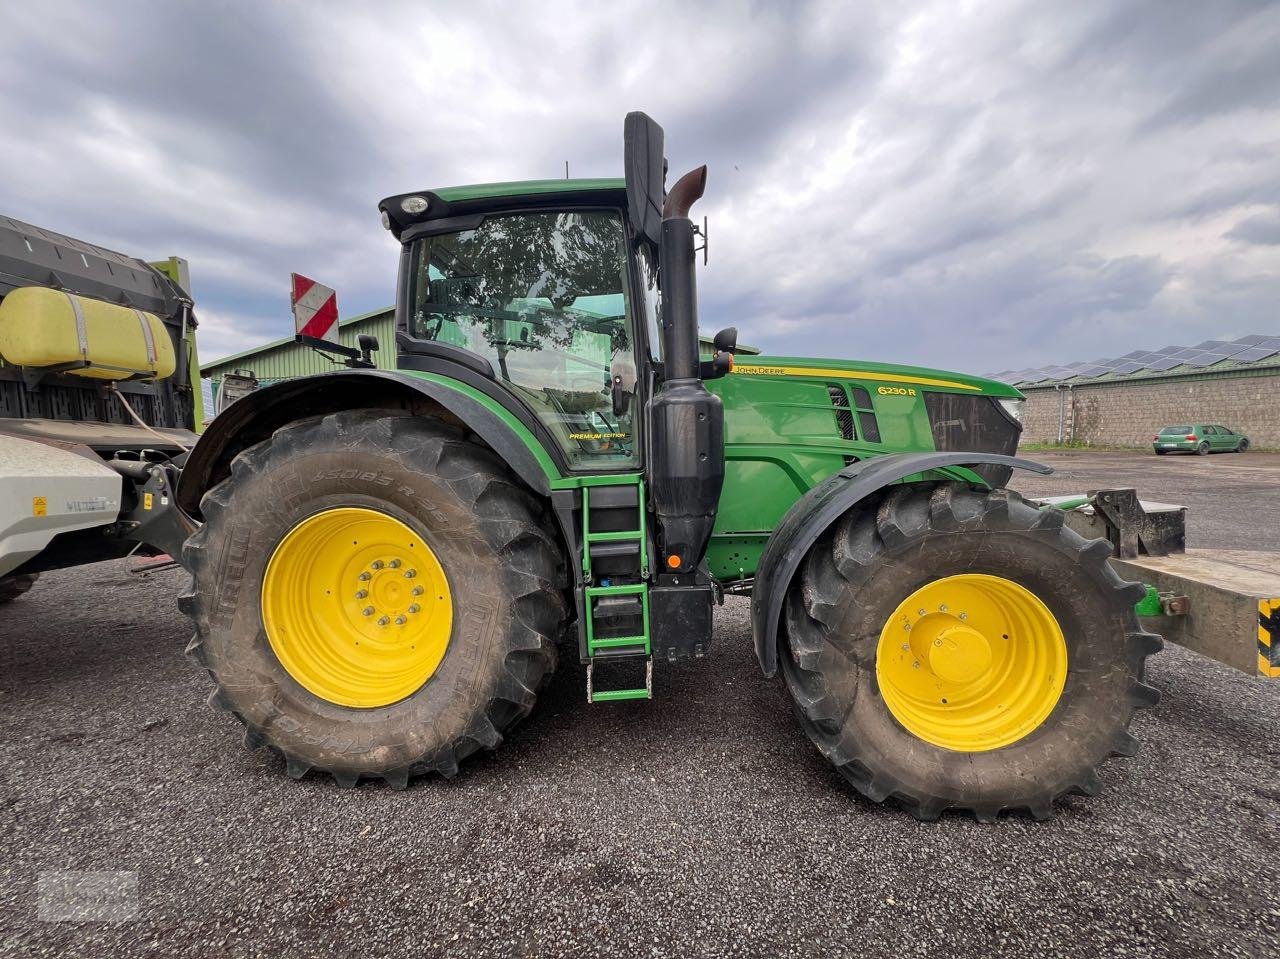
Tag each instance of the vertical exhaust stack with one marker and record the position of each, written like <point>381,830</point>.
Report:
<point>687,422</point>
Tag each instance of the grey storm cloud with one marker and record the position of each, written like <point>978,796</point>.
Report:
<point>981,187</point>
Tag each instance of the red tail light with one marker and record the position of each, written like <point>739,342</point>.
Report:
<point>1191,437</point>
<point>1154,438</point>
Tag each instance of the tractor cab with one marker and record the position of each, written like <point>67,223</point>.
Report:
<point>545,296</point>
<point>543,301</point>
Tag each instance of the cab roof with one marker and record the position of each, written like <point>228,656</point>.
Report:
<point>453,201</point>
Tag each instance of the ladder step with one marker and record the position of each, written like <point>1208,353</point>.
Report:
<point>612,550</point>
<point>615,695</point>
<point>618,642</point>
<point>614,607</point>
<point>633,535</point>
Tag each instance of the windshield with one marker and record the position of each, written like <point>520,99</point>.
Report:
<point>542,296</point>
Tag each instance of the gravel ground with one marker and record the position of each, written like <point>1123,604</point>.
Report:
<point>702,824</point>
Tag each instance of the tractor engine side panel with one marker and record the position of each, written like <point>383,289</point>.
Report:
<point>786,434</point>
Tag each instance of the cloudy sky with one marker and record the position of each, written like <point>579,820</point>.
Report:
<point>974,186</point>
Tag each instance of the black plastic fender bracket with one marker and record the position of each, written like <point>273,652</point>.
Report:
<point>810,516</point>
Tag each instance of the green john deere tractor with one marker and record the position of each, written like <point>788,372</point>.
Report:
<point>390,562</point>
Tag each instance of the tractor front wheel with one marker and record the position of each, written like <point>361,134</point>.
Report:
<point>959,649</point>
<point>374,596</point>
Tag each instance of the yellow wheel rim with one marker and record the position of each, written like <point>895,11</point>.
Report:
<point>971,662</point>
<point>356,607</point>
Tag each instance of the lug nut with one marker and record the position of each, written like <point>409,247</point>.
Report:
<point>401,620</point>
<point>907,627</point>
<point>362,594</point>
<point>417,591</point>
<point>415,608</point>
<point>916,664</point>
<point>942,607</point>
<point>364,577</point>
<point>383,620</point>
<point>964,615</point>
<point>394,564</point>
<point>410,573</point>
<point>368,610</point>
<point>905,647</point>
<point>921,612</point>
<point>377,564</point>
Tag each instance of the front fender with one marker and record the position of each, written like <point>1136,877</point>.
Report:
<point>814,512</point>
<point>261,413</point>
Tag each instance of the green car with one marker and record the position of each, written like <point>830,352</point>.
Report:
<point>1199,438</point>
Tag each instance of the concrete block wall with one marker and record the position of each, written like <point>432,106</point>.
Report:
<point>1128,413</point>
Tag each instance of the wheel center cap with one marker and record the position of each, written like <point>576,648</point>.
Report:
<point>390,591</point>
<point>959,654</point>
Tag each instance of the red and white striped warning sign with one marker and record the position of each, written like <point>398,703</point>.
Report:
<point>315,309</point>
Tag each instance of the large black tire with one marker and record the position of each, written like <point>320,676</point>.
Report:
<point>1242,446</point>
<point>11,587</point>
<point>503,563</point>
<point>1203,449</point>
<point>875,557</point>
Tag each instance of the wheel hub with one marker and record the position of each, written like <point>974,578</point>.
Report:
<point>356,607</point>
<point>959,654</point>
<point>971,662</point>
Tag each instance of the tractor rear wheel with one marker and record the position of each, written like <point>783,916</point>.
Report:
<point>951,648</point>
<point>374,596</point>
<point>11,587</point>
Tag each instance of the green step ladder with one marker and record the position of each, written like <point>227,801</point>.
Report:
<point>617,647</point>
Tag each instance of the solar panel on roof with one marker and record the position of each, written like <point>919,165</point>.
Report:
<point>1231,349</point>
<point>1271,341</point>
<point>1187,354</point>
<point>1210,344</point>
<point>1092,370</point>
<point>1206,359</point>
<point>1255,353</point>
<point>1134,355</point>
<point>1166,363</point>
<point>1252,339</point>
<point>1125,368</point>
<point>1169,350</point>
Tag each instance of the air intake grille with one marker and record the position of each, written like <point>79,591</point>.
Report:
<point>840,405</point>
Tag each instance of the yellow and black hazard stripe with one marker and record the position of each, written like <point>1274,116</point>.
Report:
<point>1269,637</point>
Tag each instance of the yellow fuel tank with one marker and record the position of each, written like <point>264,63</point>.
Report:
<point>40,327</point>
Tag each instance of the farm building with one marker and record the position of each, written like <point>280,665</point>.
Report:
<point>1124,401</point>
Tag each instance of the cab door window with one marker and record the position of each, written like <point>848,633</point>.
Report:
<point>543,296</point>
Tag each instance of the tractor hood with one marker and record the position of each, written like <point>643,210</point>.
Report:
<point>888,374</point>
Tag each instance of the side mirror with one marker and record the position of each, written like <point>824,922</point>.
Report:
<point>726,341</point>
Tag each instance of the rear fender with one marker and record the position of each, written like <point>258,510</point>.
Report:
<point>256,417</point>
<point>814,512</point>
